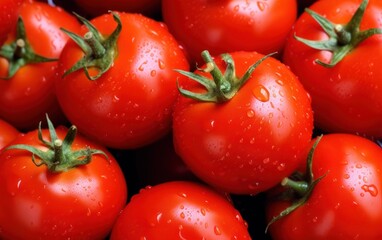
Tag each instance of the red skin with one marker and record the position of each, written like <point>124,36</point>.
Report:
<point>7,133</point>
<point>9,10</point>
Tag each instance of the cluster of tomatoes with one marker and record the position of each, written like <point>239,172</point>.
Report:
<point>174,119</point>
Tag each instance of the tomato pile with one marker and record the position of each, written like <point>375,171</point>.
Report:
<point>173,119</point>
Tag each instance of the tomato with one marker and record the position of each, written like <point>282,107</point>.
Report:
<point>179,210</point>
<point>227,26</point>
<point>346,202</point>
<point>28,86</point>
<point>129,103</point>
<point>59,198</point>
<point>346,95</point>
<point>8,17</point>
<point>7,133</point>
<point>248,142</point>
<point>150,8</point>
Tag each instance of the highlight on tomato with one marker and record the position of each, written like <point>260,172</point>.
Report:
<point>242,121</point>
<point>28,61</point>
<point>335,50</point>
<point>338,196</point>
<point>179,210</point>
<point>56,184</point>
<point>116,81</point>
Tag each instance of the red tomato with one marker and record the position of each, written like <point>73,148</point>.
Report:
<point>246,144</point>
<point>79,203</point>
<point>347,96</point>
<point>7,133</point>
<point>346,202</point>
<point>9,10</point>
<point>130,104</point>
<point>179,210</point>
<point>29,94</point>
<point>227,26</point>
<point>96,8</point>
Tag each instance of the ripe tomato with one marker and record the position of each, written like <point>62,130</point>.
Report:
<point>150,8</point>
<point>227,26</point>
<point>78,203</point>
<point>346,202</point>
<point>346,97</point>
<point>7,133</point>
<point>245,144</point>
<point>179,210</point>
<point>9,11</point>
<point>28,90</point>
<point>130,104</point>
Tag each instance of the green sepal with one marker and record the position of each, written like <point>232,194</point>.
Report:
<point>59,157</point>
<point>100,51</point>
<point>343,38</point>
<point>302,185</point>
<point>19,52</point>
<point>224,86</point>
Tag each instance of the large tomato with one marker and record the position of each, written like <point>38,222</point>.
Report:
<point>346,92</point>
<point>7,133</point>
<point>345,203</point>
<point>226,26</point>
<point>128,103</point>
<point>27,83</point>
<point>179,210</point>
<point>242,136</point>
<point>57,193</point>
<point>9,11</point>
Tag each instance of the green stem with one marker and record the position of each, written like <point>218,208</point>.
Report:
<point>300,187</point>
<point>96,46</point>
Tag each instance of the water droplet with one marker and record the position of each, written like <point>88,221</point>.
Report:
<point>250,113</point>
<point>358,165</point>
<point>182,215</point>
<point>203,211</point>
<point>217,230</point>
<point>161,64</point>
<point>281,167</point>
<point>261,5</point>
<point>159,217</point>
<point>153,73</point>
<point>261,93</point>
<point>266,160</point>
<point>372,189</point>
<point>346,176</point>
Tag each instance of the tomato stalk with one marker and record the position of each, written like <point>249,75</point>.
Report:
<point>224,86</point>
<point>100,51</point>
<point>343,38</point>
<point>303,185</point>
<point>19,52</point>
<point>59,157</point>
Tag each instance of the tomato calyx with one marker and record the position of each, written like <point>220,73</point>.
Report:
<point>224,86</point>
<point>20,53</point>
<point>59,157</point>
<point>343,38</point>
<point>100,51</point>
<point>299,186</point>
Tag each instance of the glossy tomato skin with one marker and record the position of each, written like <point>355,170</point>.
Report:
<point>346,203</point>
<point>249,143</point>
<point>9,10</point>
<point>81,203</point>
<point>7,133</point>
<point>130,105</point>
<point>179,210</point>
<point>346,97</point>
<point>227,26</point>
<point>30,93</point>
